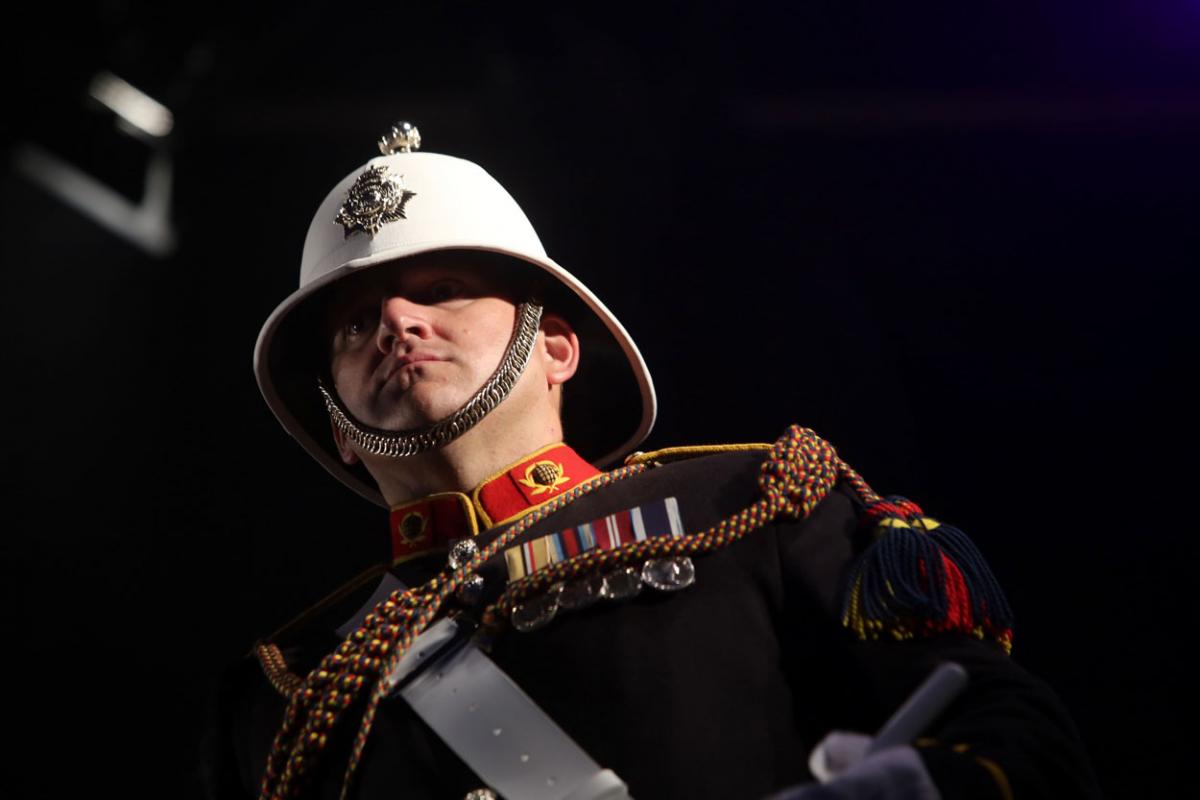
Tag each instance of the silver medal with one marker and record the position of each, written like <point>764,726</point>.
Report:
<point>581,593</point>
<point>669,574</point>
<point>536,612</point>
<point>621,584</point>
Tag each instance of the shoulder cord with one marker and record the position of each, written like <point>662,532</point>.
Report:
<point>799,472</point>
<point>271,658</point>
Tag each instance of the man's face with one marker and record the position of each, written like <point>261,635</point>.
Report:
<point>411,344</point>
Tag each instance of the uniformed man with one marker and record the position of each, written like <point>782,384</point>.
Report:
<point>690,624</point>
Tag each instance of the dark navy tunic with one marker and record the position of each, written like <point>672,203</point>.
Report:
<point>716,691</point>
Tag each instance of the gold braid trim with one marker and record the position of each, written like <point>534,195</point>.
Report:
<point>997,775</point>
<point>667,454</point>
<point>270,657</point>
<point>993,769</point>
<point>273,664</point>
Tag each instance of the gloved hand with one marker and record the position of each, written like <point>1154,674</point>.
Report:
<point>846,772</point>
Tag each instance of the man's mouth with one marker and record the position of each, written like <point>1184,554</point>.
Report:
<point>407,361</point>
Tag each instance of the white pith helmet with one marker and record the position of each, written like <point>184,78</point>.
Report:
<point>406,204</point>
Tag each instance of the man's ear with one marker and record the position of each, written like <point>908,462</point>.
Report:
<point>343,446</point>
<point>561,351</point>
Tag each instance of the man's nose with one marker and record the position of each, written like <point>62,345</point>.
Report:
<point>401,319</point>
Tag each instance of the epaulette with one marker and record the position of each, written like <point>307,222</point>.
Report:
<point>669,454</point>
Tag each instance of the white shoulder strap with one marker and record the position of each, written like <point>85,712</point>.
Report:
<point>489,721</point>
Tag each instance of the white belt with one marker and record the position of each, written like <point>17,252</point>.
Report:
<point>489,721</point>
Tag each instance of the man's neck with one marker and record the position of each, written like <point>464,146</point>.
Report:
<point>461,465</point>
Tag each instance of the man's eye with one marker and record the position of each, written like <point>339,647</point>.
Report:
<point>444,290</point>
<point>359,323</point>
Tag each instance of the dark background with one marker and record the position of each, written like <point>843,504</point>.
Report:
<point>955,239</point>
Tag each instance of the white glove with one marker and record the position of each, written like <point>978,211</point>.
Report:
<point>846,772</point>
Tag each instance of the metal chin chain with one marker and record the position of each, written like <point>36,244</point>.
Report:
<point>399,444</point>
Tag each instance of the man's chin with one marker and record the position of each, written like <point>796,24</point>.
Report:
<point>415,416</point>
<point>422,405</point>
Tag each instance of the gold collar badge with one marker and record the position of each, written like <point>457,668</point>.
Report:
<point>412,527</point>
<point>544,476</point>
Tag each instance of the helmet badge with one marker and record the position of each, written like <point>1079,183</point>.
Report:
<point>374,200</point>
<point>377,198</point>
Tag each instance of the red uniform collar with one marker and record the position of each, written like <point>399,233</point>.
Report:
<point>435,521</point>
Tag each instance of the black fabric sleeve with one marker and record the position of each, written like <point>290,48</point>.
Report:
<point>1007,736</point>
